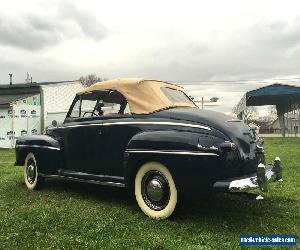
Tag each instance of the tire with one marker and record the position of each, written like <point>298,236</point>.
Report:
<point>155,190</point>
<point>32,179</point>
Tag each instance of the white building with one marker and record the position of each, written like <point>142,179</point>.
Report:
<point>27,109</point>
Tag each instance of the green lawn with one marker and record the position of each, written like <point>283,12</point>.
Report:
<point>67,215</point>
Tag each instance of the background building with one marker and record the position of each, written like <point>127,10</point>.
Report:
<point>285,98</point>
<point>292,124</point>
<point>27,109</point>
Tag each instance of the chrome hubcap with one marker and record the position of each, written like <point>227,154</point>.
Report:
<point>155,190</point>
<point>31,171</point>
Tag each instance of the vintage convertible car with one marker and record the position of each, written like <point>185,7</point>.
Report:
<point>149,137</point>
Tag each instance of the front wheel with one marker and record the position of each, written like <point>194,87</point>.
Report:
<point>155,190</point>
<point>31,176</point>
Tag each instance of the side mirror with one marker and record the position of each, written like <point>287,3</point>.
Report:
<point>54,123</point>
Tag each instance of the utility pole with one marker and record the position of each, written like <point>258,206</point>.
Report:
<point>211,100</point>
<point>27,80</point>
<point>10,79</point>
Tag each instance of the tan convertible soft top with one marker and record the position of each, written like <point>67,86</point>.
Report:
<point>143,96</point>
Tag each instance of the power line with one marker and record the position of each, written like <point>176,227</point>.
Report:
<point>212,80</point>
<point>235,81</point>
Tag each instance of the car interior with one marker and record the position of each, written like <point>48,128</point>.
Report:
<point>100,103</point>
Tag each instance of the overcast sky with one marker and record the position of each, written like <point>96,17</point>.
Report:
<point>183,41</point>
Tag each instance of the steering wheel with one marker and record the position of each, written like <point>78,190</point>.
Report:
<point>89,112</point>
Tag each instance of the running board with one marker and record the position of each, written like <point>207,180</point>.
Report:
<point>104,180</point>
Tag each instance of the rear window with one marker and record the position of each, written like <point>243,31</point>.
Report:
<point>175,95</point>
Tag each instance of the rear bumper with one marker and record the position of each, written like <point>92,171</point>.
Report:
<point>264,175</point>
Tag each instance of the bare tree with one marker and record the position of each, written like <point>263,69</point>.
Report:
<point>273,112</point>
<point>90,79</point>
<point>249,115</point>
<point>270,117</point>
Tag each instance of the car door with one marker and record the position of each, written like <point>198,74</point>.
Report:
<point>111,138</point>
<point>81,130</point>
<point>106,142</point>
<point>75,147</point>
<point>117,132</point>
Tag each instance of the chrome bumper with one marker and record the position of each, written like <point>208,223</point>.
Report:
<point>264,175</point>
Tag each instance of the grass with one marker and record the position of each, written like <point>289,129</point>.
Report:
<point>67,215</point>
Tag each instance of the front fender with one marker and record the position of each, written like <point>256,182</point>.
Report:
<point>46,149</point>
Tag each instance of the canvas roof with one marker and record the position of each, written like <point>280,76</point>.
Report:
<point>143,96</point>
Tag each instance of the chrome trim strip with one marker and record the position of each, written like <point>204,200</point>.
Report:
<point>62,172</point>
<point>161,123</point>
<point>102,183</point>
<point>140,123</point>
<point>171,152</point>
<point>36,146</point>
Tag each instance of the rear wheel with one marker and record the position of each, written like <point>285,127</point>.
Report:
<point>155,190</point>
<point>31,176</point>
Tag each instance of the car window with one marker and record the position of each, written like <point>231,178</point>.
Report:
<point>175,95</point>
<point>75,113</point>
<point>115,103</point>
<point>114,108</point>
<point>111,108</point>
<point>87,107</point>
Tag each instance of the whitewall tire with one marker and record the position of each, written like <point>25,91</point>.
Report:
<point>31,176</point>
<point>155,190</point>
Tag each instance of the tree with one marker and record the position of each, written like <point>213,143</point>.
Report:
<point>249,114</point>
<point>90,79</point>
<point>273,112</point>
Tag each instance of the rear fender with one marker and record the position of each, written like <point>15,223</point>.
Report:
<point>164,140</point>
<point>145,146</point>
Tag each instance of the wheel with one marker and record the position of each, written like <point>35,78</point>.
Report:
<point>32,178</point>
<point>155,190</point>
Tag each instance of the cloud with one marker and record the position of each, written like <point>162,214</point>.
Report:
<point>263,49</point>
<point>86,20</point>
<point>25,35</point>
<point>33,31</point>
<point>63,39</point>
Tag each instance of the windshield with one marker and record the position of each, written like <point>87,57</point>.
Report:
<point>100,103</point>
